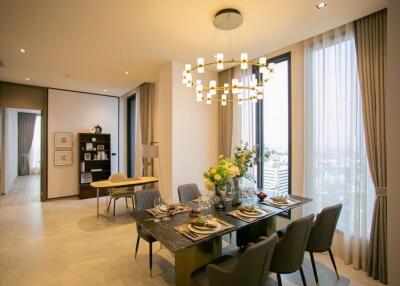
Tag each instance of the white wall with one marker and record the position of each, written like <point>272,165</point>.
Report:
<point>393,141</point>
<point>11,147</point>
<point>194,132</point>
<point>76,112</point>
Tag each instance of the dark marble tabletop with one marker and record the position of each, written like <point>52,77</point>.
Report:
<point>164,231</point>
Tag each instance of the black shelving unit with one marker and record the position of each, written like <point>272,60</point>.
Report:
<point>95,164</point>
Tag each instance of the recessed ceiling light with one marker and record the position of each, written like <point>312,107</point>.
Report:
<point>126,72</point>
<point>321,5</point>
<point>104,90</point>
<point>28,78</point>
<point>22,51</point>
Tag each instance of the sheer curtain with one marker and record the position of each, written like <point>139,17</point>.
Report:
<point>34,153</point>
<point>336,164</point>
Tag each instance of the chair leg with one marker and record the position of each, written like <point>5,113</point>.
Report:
<point>151,258</point>
<point>333,262</point>
<point>109,204</point>
<point>302,276</point>
<point>133,204</point>
<point>278,275</point>
<point>137,245</point>
<point>126,202</point>
<point>114,206</point>
<point>314,268</point>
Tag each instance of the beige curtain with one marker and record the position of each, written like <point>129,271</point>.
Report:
<point>225,116</point>
<point>370,34</point>
<point>146,111</point>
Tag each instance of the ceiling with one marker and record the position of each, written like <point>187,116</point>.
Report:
<point>89,45</point>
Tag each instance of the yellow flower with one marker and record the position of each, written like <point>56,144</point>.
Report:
<point>213,171</point>
<point>217,177</point>
<point>234,171</point>
<point>208,184</point>
<point>220,157</point>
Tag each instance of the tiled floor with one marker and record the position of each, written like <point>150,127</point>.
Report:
<point>62,243</point>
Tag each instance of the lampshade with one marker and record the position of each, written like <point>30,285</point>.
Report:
<point>150,151</point>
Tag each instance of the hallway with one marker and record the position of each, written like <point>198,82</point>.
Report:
<point>25,190</point>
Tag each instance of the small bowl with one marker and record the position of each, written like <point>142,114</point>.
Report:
<point>261,196</point>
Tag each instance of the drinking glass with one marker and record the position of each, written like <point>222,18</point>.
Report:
<point>157,204</point>
<point>166,203</point>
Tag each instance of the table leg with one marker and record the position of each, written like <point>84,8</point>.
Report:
<point>98,195</point>
<point>253,231</point>
<point>189,259</point>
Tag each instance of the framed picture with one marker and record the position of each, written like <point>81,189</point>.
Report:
<point>62,157</point>
<point>87,156</point>
<point>86,178</point>
<point>100,147</point>
<point>89,146</point>
<point>63,139</point>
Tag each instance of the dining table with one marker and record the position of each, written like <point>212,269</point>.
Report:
<point>191,252</point>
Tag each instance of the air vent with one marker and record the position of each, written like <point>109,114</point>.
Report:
<point>2,64</point>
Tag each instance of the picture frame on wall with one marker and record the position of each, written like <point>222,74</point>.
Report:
<point>87,156</point>
<point>63,139</point>
<point>62,157</point>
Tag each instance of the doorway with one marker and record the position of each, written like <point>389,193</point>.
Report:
<point>131,117</point>
<point>22,157</point>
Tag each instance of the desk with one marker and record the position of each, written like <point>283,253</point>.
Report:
<point>189,255</point>
<point>130,182</point>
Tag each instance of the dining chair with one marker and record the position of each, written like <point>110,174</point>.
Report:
<point>188,192</point>
<point>289,251</point>
<point>321,235</point>
<point>249,268</point>
<point>117,193</point>
<point>144,199</point>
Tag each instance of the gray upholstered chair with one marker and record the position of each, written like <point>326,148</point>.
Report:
<point>249,268</point>
<point>321,235</point>
<point>144,199</point>
<point>117,193</point>
<point>289,251</point>
<point>188,192</point>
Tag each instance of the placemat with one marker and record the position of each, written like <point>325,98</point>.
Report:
<point>291,202</point>
<point>248,219</point>
<point>156,214</point>
<point>183,229</point>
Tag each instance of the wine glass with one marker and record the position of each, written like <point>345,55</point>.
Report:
<point>157,204</point>
<point>166,203</point>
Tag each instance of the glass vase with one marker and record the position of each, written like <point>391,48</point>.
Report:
<point>237,191</point>
<point>219,199</point>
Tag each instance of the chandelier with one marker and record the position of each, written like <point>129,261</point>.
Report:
<point>235,91</point>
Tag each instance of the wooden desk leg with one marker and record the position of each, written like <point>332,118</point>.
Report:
<point>98,195</point>
<point>190,259</point>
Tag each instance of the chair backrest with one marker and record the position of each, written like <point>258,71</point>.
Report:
<point>323,229</point>
<point>289,251</point>
<point>251,268</point>
<point>117,177</point>
<point>188,192</point>
<point>144,199</point>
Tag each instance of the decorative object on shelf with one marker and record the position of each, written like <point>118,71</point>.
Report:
<point>94,139</point>
<point>229,19</point>
<point>87,156</point>
<point>92,130</point>
<point>62,157</point>
<point>89,146</point>
<point>100,147</point>
<point>86,178</point>
<point>95,157</point>
<point>63,139</point>
<point>215,180</point>
<point>96,170</point>
<point>98,129</point>
<point>82,166</point>
<point>149,152</point>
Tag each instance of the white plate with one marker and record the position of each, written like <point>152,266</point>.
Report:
<point>277,203</point>
<point>211,231</point>
<point>249,215</point>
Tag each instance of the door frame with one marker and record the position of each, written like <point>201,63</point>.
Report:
<point>128,133</point>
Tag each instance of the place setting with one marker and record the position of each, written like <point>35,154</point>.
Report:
<point>248,213</point>
<point>164,210</point>
<point>280,201</point>
<point>200,227</point>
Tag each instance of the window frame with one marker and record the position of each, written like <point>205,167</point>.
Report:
<point>260,126</point>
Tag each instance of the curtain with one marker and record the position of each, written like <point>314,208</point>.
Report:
<point>26,125</point>
<point>34,153</point>
<point>370,35</point>
<point>146,111</point>
<point>336,162</point>
<point>225,115</point>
